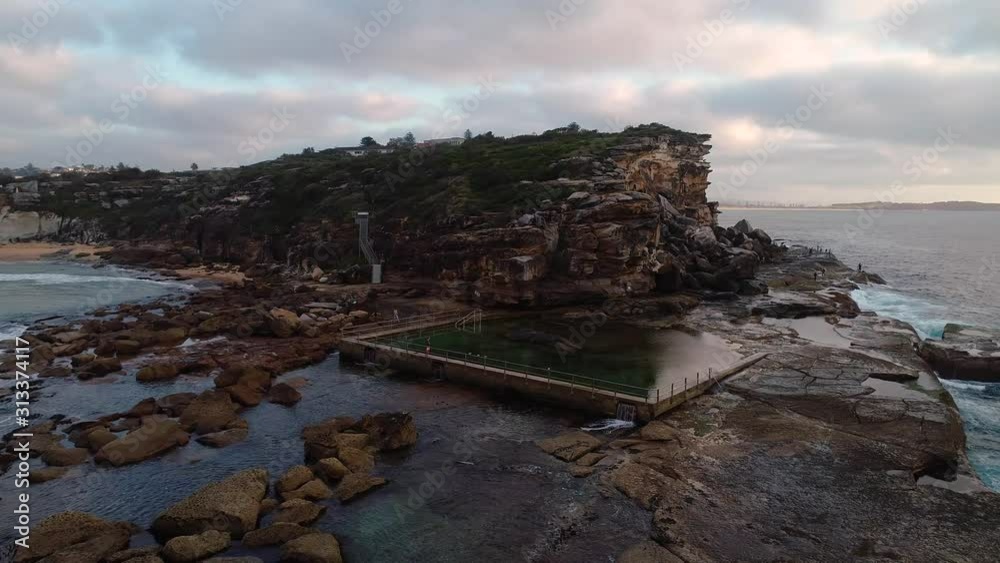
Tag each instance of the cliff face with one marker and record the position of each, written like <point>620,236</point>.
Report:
<point>637,220</point>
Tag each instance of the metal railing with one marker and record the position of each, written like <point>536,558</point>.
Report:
<point>443,317</point>
<point>507,367</point>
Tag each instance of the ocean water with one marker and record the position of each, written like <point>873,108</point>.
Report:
<point>941,267</point>
<point>30,291</point>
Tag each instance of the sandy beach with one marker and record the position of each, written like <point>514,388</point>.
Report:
<point>33,251</point>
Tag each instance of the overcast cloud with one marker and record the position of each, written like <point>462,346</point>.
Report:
<point>895,74</point>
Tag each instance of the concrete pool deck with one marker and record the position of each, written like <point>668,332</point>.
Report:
<point>578,392</point>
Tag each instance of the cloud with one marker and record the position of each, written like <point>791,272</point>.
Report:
<point>417,65</point>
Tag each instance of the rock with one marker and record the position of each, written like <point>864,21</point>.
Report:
<point>590,460</point>
<point>570,447</point>
<point>294,478</point>
<point>283,323</point>
<point>313,548</point>
<point>356,484</point>
<point>46,474</point>
<point>209,412</point>
<point>246,375</point>
<point>357,461</point>
<point>743,227</point>
<point>389,431</point>
<point>231,505</point>
<point>170,336</point>
<point>75,536</point>
<point>68,337</point>
<point>299,511</point>
<point>965,353</point>
<point>153,438</point>
<point>65,457</point>
<point>760,235</point>
<point>580,471</point>
<point>234,560</point>
<point>56,371</point>
<point>268,505</point>
<point>275,534</point>
<point>313,490</point>
<point>173,405</point>
<point>187,549</point>
<point>157,372</point>
<point>246,395</point>
<point>332,469</point>
<point>99,368</point>
<point>224,438</point>
<point>658,431</point>
<point>321,438</point>
<point>145,407</point>
<point>127,347</point>
<point>639,483</point>
<point>648,552</point>
<point>284,394</point>
<point>82,359</point>
<point>134,554</point>
<point>93,438</point>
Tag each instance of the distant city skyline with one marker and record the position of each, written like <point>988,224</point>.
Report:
<point>808,101</point>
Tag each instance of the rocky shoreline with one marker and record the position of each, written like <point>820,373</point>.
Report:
<point>840,443</point>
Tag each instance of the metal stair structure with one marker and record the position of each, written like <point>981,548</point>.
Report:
<point>471,323</point>
<point>365,244</point>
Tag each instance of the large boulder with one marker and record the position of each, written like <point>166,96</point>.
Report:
<point>299,511</point>
<point>313,490</point>
<point>154,437</point>
<point>188,549</point>
<point>99,368</point>
<point>75,536</point>
<point>284,394</point>
<point>64,457</point>
<point>231,505</point>
<point>173,405</point>
<point>313,548</point>
<point>321,438</point>
<point>570,447</point>
<point>275,534</point>
<point>389,431</point>
<point>283,323</point>
<point>332,469</point>
<point>157,372</point>
<point>294,478</point>
<point>210,412</point>
<point>224,438</point>
<point>356,484</point>
<point>358,461</point>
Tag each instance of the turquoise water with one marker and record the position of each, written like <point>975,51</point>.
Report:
<point>941,267</point>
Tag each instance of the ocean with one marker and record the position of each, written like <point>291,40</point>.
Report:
<point>32,291</point>
<point>941,267</point>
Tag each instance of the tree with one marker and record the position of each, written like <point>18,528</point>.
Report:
<point>369,142</point>
<point>409,139</point>
<point>468,134</point>
<point>573,127</point>
<point>308,151</point>
<point>194,167</point>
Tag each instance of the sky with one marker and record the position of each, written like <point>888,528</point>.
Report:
<point>808,101</point>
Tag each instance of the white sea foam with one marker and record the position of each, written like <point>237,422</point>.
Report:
<point>923,316</point>
<point>10,331</point>
<point>952,384</point>
<point>68,279</point>
<point>608,424</point>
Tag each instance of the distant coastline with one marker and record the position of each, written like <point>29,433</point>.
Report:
<point>936,206</point>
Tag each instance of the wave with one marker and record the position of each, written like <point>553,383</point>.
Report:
<point>10,331</point>
<point>922,315</point>
<point>952,384</point>
<point>608,424</point>
<point>70,279</point>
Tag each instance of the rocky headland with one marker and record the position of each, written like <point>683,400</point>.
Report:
<point>840,444</point>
